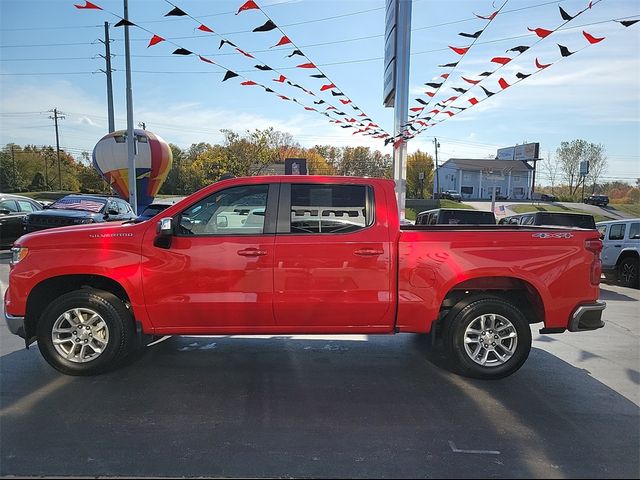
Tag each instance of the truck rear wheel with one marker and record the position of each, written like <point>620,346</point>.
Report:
<point>85,332</point>
<point>628,272</point>
<point>489,338</point>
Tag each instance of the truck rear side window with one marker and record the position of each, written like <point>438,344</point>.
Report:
<point>329,208</point>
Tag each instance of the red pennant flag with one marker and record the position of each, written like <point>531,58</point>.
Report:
<point>306,65</point>
<point>459,50</point>
<point>445,75</point>
<point>430,94</point>
<point>372,125</point>
<point>473,82</point>
<point>249,82</point>
<point>283,97</point>
<point>283,41</point>
<point>244,53</point>
<point>501,60</point>
<point>345,102</point>
<point>416,109</point>
<point>331,108</point>
<point>473,101</point>
<point>362,114</point>
<point>205,59</point>
<point>250,5</point>
<point>450,99</point>
<point>591,39</point>
<point>488,17</point>
<point>155,40</point>
<point>435,111</point>
<point>327,87</point>
<point>351,120</point>
<point>88,5</point>
<point>397,143</point>
<point>541,65</point>
<point>280,79</point>
<point>424,124</point>
<point>204,28</point>
<point>451,114</point>
<point>310,108</point>
<point>503,83</point>
<point>541,32</point>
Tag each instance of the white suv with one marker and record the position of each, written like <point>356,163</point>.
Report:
<point>621,242</point>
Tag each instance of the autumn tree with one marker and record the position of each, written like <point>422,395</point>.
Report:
<point>570,154</point>
<point>419,163</point>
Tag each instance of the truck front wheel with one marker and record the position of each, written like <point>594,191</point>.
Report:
<point>85,332</point>
<point>488,338</point>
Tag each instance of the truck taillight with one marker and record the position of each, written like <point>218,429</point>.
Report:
<point>594,245</point>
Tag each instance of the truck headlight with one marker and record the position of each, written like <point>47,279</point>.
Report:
<point>18,254</point>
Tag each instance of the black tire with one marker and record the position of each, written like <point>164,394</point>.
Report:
<point>628,272</point>
<point>114,326</point>
<point>507,319</point>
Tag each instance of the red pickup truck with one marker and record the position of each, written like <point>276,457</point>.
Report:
<point>299,254</point>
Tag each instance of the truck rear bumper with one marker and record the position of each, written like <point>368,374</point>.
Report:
<point>15,324</point>
<point>587,317</point>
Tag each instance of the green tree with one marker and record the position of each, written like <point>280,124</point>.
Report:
<point>419,163</point>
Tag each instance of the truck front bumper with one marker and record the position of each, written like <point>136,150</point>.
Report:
<point>16,325</point>
<point>587,317</point>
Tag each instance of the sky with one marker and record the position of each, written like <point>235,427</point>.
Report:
<point>50,58</point>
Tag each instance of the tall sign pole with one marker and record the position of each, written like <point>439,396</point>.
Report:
<point>131,141</point>
<point>396,86</point>
<point>107,72</point>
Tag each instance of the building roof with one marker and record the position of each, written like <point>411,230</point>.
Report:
<point>487,164</point>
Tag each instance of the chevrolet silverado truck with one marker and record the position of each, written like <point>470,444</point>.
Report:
<point>299,255</point>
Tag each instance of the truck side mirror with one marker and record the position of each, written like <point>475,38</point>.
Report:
<point>164,231</point>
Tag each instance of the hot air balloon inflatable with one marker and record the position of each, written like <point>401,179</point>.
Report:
<point>153,162</point>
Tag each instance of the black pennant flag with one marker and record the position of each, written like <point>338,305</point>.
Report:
<point>268,90</point>
<point>433,85</point>
<point>267,27</point>
<point>318,102</point>
<point>319,75</point>
<point>263,67</point>
<point>441,105</point>
<point>182,51</point>
<point>487,92</point>
<point>519,49</point>
<point>124,22</point>
<point>454,64</point>
<point>565,16</point>
<point>628,23</point>
<point>461,90</point>
<point>176,12</point>
<point>296,52</point>
<point>346,126</point>
<point>458,108</point>
<point>522,76</point>
<point>564,51</point>
<point>471,35</point>
<point>485,74</point>
<point>229,75</point>
<point>337,94</point>
<point>423,102</point>
<point>340,113</point>
<point>354,107</point>
<point>222,42</point>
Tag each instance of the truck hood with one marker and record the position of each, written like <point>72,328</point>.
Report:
<point>93,235</point>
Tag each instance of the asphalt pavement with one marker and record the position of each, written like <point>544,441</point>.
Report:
<point>330,406</point>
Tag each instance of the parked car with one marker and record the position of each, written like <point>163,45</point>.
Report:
<point>552,219</point>
<point>13,210</point>
<point>455,216</point>
<point>152,210</point>
<point>321,255</point>
<point>599,200</point>
<point>548,197</point>
<point>621,247</point>
<point>449,195</point>
<point>79,209</point>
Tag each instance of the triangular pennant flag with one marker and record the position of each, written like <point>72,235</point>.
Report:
<point>628,23</point>
<point>488,17</point>
<point>416,109</point>
<point>267,27</point>
<point>355,107</point>
<point>434,85</point>
<point>458,108</point>
<point>451,99</point>
<point>319,102</point>
<point>204,28</point>
<point>351,120</point>
<point>339,113</point>
<point>519,49</point>
<point>454,64</point>
<point>435,110</point>
<point>280,79</point>
<point>430,94</point>
<point>327,87</point>
<point>419,100</point>
<point>250,5</point>
<point>295,52</point>
<point>181,51</point>
<point>124,22</point>
<point>283,41</point>
<point>306,65</point>
<point>501,60</point>
<point>268,90</point>
<point>522,76</point>
<point>204,59</point>
<point>283,97</point>
<point>469,80</point>
<point>473,101</point>
<point>318,75</point>
<point>485,74</point>
<point>541,65</point>
<point>222,42</point>
<point>310,108</point>
<point>459,50</point>
<point>249,82</point>
<point>345,102</point>
<point>263,67</point>
<point>176,12</point>
<point>439,104</point>
<point>451,114</point>
<point>591,39</point>
<point>471,35</point>
<point>398,143</point>
<point>487,92</point>
<point>461,90</point>
<point>155,40</point>
<point>564,51</point>
<point>503,83</point>
<point>388,141</point>
<point>346,126</point>
<point>245,53</point>
<point>445,75</point>
<point>88,5</point>
<point>331,108</point>
<point>541,32</point>
<point>229,75</point>
<point>337,94</point>
<point>565,15</point>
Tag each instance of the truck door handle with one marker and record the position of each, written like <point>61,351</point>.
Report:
<point>251,252</point>
<point>368,252</point>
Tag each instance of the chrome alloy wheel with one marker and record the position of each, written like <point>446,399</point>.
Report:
<point>80,335</point>
<point>490,340</point>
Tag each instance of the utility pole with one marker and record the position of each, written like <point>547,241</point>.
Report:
<point>15,172</point>
<point>55,118</point>
<point>142,125</point>
<point>131,140</point>
<point>107,72</point>
<point>437,192</point>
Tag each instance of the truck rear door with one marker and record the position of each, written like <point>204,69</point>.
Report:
<point>333,259</point>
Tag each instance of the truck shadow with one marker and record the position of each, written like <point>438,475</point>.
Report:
<point>312,407</point>
<point>606,294</point>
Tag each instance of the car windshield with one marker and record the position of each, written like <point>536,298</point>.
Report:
<point>94,205</point>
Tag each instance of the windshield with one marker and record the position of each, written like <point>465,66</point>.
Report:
<point>94,205</point>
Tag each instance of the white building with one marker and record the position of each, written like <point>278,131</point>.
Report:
<point>476,178</point>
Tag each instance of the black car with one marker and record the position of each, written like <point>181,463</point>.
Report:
<point>455,216</point>
<point>449,195</point>
<point>599,200</point>
<point>13,210</point>
<point>552,219</point>
<point>77,210</point>
<point>151,211</point>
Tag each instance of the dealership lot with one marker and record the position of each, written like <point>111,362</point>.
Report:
<point>330,406</point>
